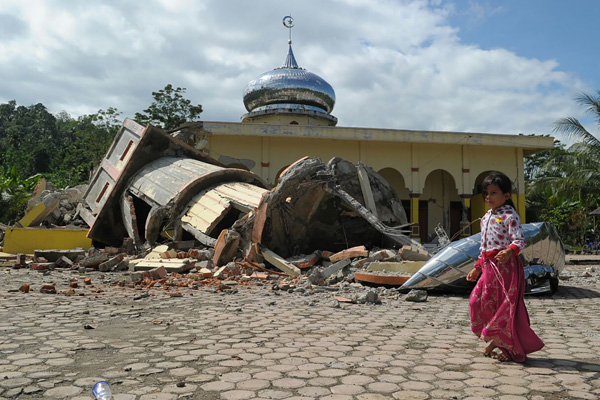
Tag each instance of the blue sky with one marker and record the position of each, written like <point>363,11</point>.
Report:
<point>483,66</point>
<point>566,31</point>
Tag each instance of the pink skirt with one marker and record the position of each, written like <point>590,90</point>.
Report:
<point>498,310</point>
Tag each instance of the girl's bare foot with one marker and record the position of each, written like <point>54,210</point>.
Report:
<point>500,357</point>
<point>489,350</point>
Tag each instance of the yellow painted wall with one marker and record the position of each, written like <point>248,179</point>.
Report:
<point>413,155</point>
<point>27,240</point>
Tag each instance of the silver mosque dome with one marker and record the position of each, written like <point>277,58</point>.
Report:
<point>289,87</point>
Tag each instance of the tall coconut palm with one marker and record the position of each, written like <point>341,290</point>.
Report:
<point>567,181</point>
<point>572,128</point>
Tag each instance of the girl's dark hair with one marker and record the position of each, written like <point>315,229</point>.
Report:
<point>502,181</point>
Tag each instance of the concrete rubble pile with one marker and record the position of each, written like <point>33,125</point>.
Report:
<point>60,207</point>
<point>175,218</point>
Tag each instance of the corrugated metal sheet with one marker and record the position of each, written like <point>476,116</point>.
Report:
<point>208,207</point>
<point>161,180</point>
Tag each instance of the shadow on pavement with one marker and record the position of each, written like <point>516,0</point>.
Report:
<point>576,292</point>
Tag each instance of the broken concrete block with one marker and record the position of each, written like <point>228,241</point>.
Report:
<point>40,212</point>
<point>54,254</point>
<point>64,262</point>
<point>416,295</point>
<point>219,272</point>
<point>411,253</point>
<point>226,247</point>
<point>42,266</point>
<point>400,268</point>
<point>369,297</point>
<point>353,252</point>
<point>169,254</point>
<point>335,267</point>
<point>316,277</point>
<point>361,263</point>
<point>123,265</point>
<point>136,276</point>
<point>201,255</point>
<point>205,273</point>
<point>280,263</point>
<point>385,254</point>
<point>231,269</point>
<point>305,261</point>
<point>94,260</point>
<point>158,273</point>
<point>109,264</point>
<point>171,265</point>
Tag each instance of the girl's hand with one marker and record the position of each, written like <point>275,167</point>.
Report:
<point>473,275</point>
<point>504,255</point>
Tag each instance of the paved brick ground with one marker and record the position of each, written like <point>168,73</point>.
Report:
<point>258,343</point>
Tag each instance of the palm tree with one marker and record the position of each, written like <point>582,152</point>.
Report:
<point>578,169</point>
<point>572,128</point>
<point>566,186</point>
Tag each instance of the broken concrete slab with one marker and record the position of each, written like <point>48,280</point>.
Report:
<point>335,267</point>
<point>64,262</point>
<point>380,279</point>
<point>280,262</point>
<point>55,254</point>
<point>305,261</point>
<point>309,210</point>
<point>40,212</point>
<point>353,252</point>
<point>414,253</point>
<point>403,267</point>
<point>226,247</point>
<point>170,265</point>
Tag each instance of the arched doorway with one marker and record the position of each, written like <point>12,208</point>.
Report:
<point>441,204</point>
<point>396,181</point>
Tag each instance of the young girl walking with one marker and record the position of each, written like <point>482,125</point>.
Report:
<point>498,313</point>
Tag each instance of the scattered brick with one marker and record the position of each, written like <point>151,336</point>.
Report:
<point>48,289</point>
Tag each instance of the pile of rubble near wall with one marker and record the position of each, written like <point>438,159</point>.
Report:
<point>51,210</point>
<point>61,206</point>
<point>157,205</point>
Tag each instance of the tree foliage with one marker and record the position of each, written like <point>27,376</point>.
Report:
<point>65,150</point>
<point>169,109</point>
<point>563,185</point>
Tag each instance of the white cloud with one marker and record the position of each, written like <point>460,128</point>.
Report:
<point>393,64</point>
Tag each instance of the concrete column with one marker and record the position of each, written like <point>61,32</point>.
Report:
<point>520,185</point>
<point>466,172</point>
<point>414,215</point>
<point>362,152</point>
<point>265,163</point>
<point>465,224</point>
<point>415,184</point>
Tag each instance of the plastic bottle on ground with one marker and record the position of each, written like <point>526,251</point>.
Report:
<point>101,391</point>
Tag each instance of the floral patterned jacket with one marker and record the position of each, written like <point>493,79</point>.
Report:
<point>501,229</point>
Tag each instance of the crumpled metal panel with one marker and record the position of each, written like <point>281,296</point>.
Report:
<point>543,259</point>
<point>162,180</point>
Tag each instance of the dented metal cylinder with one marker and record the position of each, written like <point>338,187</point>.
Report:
<point>543,259</point>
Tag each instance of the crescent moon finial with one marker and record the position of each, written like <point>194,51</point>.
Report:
<point>288,22</point>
